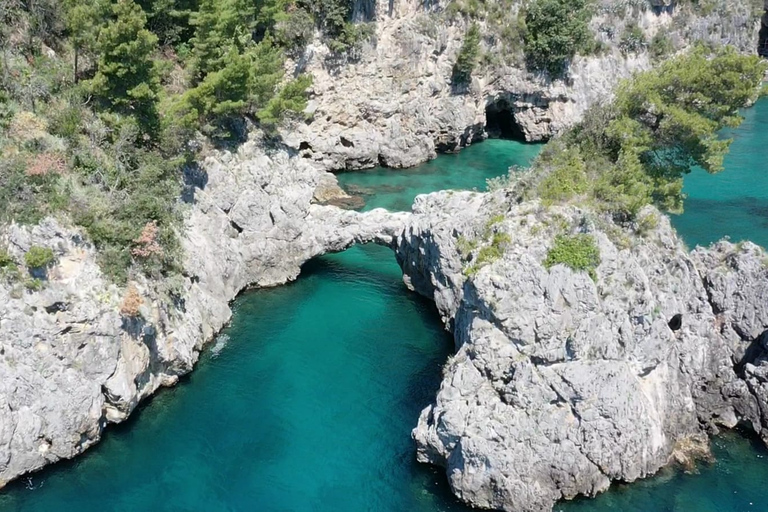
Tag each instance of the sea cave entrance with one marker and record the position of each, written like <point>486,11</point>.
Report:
<point>500,121</point>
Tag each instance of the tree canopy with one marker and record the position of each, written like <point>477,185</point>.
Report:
<point>99,128</point>
<point>126,77</point>
<point>555,31</point>
<point>661,124</point>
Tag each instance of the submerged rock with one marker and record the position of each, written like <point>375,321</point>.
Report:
<point>562,384</point>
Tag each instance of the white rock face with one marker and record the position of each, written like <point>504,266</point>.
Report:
<point>562,384</point>
<point>70,364</point>
<point>551,366</point>
<point>396,105</point>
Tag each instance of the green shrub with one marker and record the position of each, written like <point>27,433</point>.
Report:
<point>351,38</point>
<point>468,54</point>
<point>491,222</point>
<point>578,252</point>
<point>290,100</point>
<point>554,32</point>
<point>67,122</point>
<point>465,245</point>
<point>39,257</point>
<point>489,253</point>
<point>663,122</point>
<point>632,39</point>
<point>661,46</point>
<point>5,259</point>
<point>294,29</point>
<point>8,269</point>
<point>34,284</point>
<point>465,8</point>
<point>566,179</point>
<point>647,224</point>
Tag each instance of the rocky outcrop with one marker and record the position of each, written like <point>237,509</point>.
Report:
<point>562,384</point>
<point>70,362</point>
<point>395,104</point>
<point>736,280</point>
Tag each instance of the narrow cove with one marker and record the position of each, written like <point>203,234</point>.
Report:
<point>305,403</point>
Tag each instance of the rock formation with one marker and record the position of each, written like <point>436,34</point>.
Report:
<point>395,105</point>
<point>762,44</point>
<point>70,362</point>
<point>561,383</point>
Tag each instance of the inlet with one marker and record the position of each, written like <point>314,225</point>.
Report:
<point>500,121</point>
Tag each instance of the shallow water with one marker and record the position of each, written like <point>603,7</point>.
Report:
<point>306,402</point>
<point>469,169</point>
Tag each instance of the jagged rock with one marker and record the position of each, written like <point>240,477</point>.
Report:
<point>736,279</point>
<point>561,383</point>
<point>70,364</point>
<point>395,105</point>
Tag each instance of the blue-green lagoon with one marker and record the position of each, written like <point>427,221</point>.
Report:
<point>466,170</point>
<point>306,401</point>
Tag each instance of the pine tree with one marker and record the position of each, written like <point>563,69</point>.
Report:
<point>218,24</point>
<point>292,99</point>
<point>84,20</point>
<point>169,19</point>
<point>126,78</point>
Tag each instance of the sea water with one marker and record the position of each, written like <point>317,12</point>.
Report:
<point>306,401</point>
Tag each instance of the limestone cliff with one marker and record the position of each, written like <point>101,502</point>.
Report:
<point>562,383</point>
<point>395,105</point>
<point>70,363</point>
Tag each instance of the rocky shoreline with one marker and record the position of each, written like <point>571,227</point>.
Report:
<point>562,384</point>
<point>71,363</point>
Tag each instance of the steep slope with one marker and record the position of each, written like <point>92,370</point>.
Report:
<point>74,358</point>
<point>395,104</point>
<point>563,383</point>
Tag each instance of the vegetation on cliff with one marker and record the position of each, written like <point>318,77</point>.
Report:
<point>555,31</point>
<point>467,59</point>
<point>662,123</point>
<point>578,252</point>
<point>543,35</point>
<point>101,101</point>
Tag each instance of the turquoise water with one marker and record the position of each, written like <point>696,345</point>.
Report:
<point>395,189</point>
<point>307,406</point>
<point>735,201</point>
<point>306,402</point>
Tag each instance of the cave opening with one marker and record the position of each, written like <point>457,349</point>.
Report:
<point>762,45</point>
<point>500,122</point>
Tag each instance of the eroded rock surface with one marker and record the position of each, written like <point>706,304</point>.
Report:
<point>395,104</point>
<point>530,340</point>
<point>70,362</point>
<point>561,383</point>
